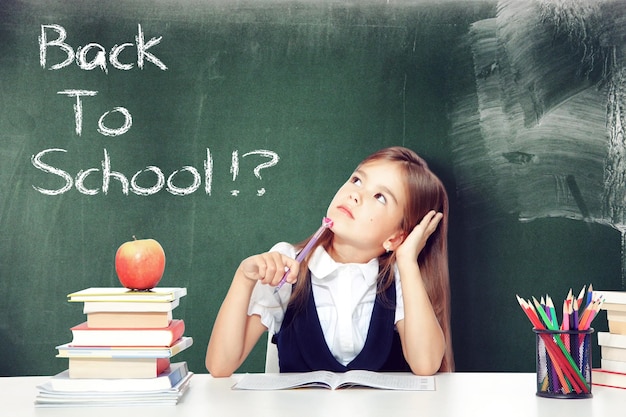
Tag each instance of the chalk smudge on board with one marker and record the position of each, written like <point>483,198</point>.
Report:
<point>544,134</point>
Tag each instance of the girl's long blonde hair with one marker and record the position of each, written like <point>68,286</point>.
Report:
<point>426,192</point>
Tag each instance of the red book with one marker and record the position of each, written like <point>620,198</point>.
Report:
<point>166,336</point>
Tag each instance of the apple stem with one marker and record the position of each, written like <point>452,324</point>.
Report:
<point>134,238</point>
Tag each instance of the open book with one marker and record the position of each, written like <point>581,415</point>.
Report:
<point>331,380</point>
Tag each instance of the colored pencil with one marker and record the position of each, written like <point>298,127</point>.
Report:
<point>563,351</point>
<point>565,322</point>
<point>579,379</point>
<point>553,351</point>
<point>580,298</point>
<point>590,294</point>
<point>327,223</point>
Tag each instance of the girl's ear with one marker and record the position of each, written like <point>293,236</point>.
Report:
<point>393,241</point>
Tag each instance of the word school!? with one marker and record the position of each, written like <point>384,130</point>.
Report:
<point>132,185</point>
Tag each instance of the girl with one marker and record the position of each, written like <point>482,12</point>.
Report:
<point>373,293</point>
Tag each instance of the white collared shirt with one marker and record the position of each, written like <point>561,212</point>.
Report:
<point>344,296</point>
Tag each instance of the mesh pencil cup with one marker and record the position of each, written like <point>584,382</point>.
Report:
<point>563,363</point>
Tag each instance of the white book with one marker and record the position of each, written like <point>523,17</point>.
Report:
<point>128,306</point>
<point>332,380</point>
<point>612,339</point>
<point>68,350</point>
<point>613,307</point>
<point>608,379</point>
<point>613,353</point>
<point>611,297</point>
<point>49,398</point>
<point>613,366</point>
<point>62,383</point>
<point>121,294</point>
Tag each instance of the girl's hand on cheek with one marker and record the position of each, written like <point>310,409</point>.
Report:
<point>269,268</point>
<point>416,240</point>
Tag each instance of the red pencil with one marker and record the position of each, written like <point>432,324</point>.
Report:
<point>555,353</point>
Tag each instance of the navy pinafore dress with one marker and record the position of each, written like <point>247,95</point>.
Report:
<point>302,347</point>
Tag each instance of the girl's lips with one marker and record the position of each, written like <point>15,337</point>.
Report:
<point>346,211</point>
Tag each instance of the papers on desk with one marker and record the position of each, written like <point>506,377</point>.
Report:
<point>50,397</point>
<point>332,380</point>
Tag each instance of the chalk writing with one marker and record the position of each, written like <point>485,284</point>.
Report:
<point>234,167</point>
<point>102,129</point>
<point>132,185</point>
<point>100,59</point>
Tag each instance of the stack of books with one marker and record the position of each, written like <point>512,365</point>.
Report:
<point>612,371</point>
<point>121,355</point>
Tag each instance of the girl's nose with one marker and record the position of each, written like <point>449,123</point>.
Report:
<point>354,197</point>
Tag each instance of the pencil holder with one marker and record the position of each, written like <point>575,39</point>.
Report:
<point>564,363</point>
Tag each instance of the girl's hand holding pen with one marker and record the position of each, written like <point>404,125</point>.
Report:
<point>269,268</point>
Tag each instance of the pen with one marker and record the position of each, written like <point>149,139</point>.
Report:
<point>326,224</point>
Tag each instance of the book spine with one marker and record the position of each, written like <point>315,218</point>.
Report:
<point>612,340</point>
<point>104,320</point>
<point>612,297</point>
<point>177,373</point>
<point>613,354</point>
<point>613,366</point>
<point>613,307</point>
<point>70,351</point>
<point>83,336</point>
<point>617,327</point>
<point>128,307</point>
<point>608,378</point>
<point>99,368</point>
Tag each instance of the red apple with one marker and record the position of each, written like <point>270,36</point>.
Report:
<point>140,264</point>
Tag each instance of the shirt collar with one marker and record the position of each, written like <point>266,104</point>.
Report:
<point>322,266</point>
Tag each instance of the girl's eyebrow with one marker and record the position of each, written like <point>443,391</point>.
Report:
<point>384,188</point>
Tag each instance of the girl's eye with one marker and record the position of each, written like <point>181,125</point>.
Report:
<point>355,180</point>
<point>381,198</point>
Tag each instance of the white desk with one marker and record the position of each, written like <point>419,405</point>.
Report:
<point>458,394</point>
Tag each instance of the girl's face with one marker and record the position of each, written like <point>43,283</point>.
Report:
<point>367,210</point>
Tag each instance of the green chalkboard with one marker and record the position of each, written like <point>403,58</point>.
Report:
<point>219,128</point>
